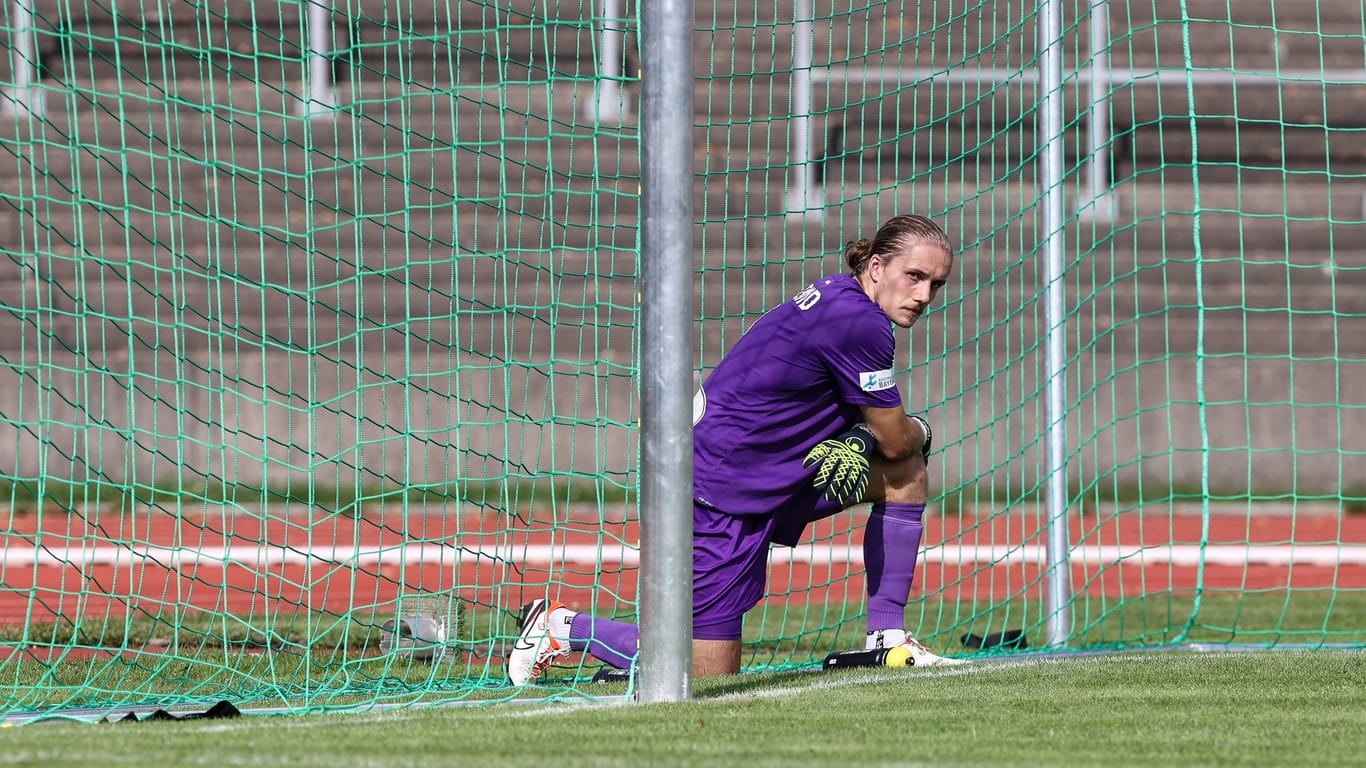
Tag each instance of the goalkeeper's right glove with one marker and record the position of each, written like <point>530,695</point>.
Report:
<point>929,438</point>
<point>843,465</point>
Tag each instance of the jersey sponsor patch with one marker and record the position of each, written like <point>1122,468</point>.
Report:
<point>876,381</point>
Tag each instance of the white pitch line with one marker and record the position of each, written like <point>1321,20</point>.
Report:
<point>1184,555</point>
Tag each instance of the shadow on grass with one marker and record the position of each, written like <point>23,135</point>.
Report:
<point>716,687</point>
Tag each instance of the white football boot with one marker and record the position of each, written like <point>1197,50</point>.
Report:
<point>535,649</point>
<point>924,657</point>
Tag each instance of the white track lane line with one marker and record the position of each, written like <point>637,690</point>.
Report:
<point>256,555</point>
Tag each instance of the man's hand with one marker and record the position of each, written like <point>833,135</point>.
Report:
<point>843,465</point>
<point>929,438</point>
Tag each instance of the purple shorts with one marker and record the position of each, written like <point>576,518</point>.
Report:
<point>730,560</point>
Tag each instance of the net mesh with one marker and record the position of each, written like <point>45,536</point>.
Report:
<point>321,321</point>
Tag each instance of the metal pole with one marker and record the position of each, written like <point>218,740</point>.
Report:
<point>1098,124</point>
<point>612,104</point>
<point>23,97</point>
<point>805,198</point>
<point>666,316</point>
<point>322,93</point>
<point>1059,586</point>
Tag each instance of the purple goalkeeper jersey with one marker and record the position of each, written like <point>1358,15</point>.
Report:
<point>797,377</point>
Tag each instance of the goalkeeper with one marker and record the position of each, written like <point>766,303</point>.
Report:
<point>802,418</point>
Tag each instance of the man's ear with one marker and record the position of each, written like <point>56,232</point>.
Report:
<point>875,265</point>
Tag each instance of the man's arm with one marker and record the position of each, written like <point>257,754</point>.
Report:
<point>842,462</point>
<point>898,436</point>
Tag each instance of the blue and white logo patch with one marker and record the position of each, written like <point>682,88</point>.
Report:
<point>876,381</point>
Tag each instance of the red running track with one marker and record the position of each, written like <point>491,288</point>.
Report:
<point>97,567</point>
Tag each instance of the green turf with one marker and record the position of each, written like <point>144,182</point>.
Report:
<point>1244,617</point>
<point>319,660</point>
<point>23,496</point>
<point>1246,709</point>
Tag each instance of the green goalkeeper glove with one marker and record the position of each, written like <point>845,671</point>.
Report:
<point>843,464</point>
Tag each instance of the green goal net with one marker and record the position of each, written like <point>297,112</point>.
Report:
<point>319,347</point>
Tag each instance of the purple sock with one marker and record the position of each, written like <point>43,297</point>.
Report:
<point>615,642</point>
<point>891,543</point>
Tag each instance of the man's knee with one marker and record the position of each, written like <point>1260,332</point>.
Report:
<point>715,657</point>
<point>904,481</point>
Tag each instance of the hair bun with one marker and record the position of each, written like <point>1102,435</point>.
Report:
<point>857,253</point>
<point>892,238</point>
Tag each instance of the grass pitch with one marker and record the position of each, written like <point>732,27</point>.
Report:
<point>1187,709</point>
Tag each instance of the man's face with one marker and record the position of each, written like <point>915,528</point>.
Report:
<point>905,283</point>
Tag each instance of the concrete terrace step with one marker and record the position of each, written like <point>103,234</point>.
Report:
<point>471,301</point>
<point>1287,14</point>
<point>1148,311</point>
<point>275,227</point>
<point>533,125</point>
<point>1001,213</point>
<point>486,307</point>
<point>527,39</point>
<point>1227,150</point>
<point>436,166</point>
<point>1275,35</point>
<point>263,222</point>
<point>245,14</point>
<point>891,101</point>
<point>196,113</point>
<point>914,15</point>
<point>518,130</point>
<point>1282,13</point>
<point>429,210</point>
<point>914,103</point>
<point>306,297</point>
<point>265,40</point>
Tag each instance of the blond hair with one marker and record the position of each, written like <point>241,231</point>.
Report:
<point>896,234</point>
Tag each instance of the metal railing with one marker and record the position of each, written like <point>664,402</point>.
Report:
<point>24,96</point>
<point>611,103</point>
<point>805,197</point>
